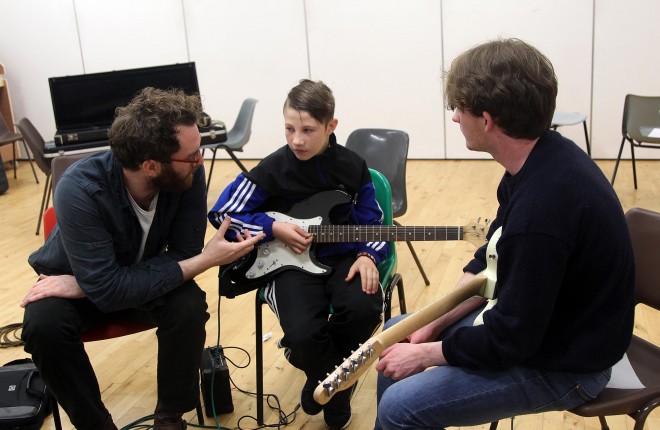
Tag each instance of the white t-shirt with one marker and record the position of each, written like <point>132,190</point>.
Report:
<point>145,218</point>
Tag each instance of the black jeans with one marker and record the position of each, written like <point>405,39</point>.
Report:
<point>52,328</point>
<point>316,343</point>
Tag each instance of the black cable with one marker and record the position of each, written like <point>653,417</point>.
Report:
<point>284,419</point>
<point>10,336</point>
<point>272,400</point>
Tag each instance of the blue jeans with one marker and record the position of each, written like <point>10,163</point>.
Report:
<point>448,396</point>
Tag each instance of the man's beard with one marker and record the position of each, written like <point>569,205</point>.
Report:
<point>170,181</point>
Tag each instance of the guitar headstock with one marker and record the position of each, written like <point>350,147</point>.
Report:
<point>475,232</point>
<point>348,373</point>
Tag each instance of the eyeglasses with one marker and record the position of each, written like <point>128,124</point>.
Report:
<point>193,162</point>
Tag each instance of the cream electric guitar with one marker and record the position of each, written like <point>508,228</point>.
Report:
<point>352,368</point>
<point>315,216</point>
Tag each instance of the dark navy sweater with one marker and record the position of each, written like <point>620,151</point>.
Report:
<point>565,272</point>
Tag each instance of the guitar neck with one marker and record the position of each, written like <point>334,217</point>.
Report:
<point>431,312</point>
<point>383,233</point>
<point>351,369</point>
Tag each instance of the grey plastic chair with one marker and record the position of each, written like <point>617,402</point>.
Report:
<point>640,127</point>
<point>237,137</point>
<point>61,163</point>
<point>386,151</point>
<point>572,118</point>
<point>8,137</point>
<point>35,142</point>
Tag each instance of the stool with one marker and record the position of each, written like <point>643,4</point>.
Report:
<point>571,118</point>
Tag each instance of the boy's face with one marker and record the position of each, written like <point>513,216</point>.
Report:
<point>306,136</point>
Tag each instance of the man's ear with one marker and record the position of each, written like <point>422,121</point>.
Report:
<point>488,121</point>
<point>151,167</point>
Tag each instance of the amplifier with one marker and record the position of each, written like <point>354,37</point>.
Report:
<point>215,382</point>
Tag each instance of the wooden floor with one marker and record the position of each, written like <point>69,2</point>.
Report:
<point>439,193</point>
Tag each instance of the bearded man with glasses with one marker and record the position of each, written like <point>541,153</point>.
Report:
<point>128,242</point>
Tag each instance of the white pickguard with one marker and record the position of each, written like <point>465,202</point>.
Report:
<point>276,254</point>
<point>491,275</point>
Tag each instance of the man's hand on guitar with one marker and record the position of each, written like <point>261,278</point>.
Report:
<point>405,359</point>
<point>368,274</point>
<point>295,237</point>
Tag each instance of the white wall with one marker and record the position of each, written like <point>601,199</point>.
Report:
<point>626,61</point>
<point>248,48</point>
<point>561,29</point>
<point>383,58</point>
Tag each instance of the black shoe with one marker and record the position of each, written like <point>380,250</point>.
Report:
<point>160,424</point>
<point>337,422</point>
<point>164,420</point>
<point>307,402</point>
<point>337,413</point>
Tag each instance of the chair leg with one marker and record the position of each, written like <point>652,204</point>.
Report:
<point>494,424</point>
<point>200,413</point>
<point>603,423</point>
<point>208,180</point>
<point>44,201</point>
<point>388,304</point>
<point>641,416</point>
<point>398,281</point>
<point>34,172</point>
<point>632,155</point>
<point>259,352</point>
<point>13,149</point>
<point>419,263</point>
<point>586,137</point>
<point>618,159</point>
<point>236,160</point>
<point>414,254</point>
<point>402,295</point>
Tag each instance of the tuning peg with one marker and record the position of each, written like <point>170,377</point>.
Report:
<point>346,372</point>
<point>327,386</point>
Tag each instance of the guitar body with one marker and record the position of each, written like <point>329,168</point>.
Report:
<point>272,257</point>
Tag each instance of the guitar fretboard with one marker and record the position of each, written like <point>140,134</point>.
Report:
<point>383,233</point>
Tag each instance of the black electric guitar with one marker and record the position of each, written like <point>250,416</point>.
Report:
<point>314,216</point>
<point>348,373</point>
